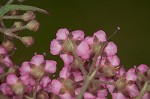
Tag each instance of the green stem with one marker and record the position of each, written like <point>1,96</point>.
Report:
<point>143,91</point>
<point>11,17</point>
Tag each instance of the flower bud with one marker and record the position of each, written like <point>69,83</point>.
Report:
<point>9,45</point>
<point>33,25</point>
<point>18,25</point>
<point>28,16</point>
<point>27,40</point>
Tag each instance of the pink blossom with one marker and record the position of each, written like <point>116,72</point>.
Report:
<point>88,95</point>
<point>6,89</point>
<point>62,34</point>
<point>55,86</point>
<point>3,50</point>
<point>65,96</point>
<point>64,73</point>
<point>55,47</point>
<point>110,87</point>
<point>31,81</point>
<point>28,89</point>
<point>102,93</point>
<point>25,79</point>
<point>50,66</point>
<point>7,61</point>
<point>77,76</point>
<point>77,91</point>
<point>1,70</point>
<point>146,95</point>
<point>101,35</point>
<point>78,35</point>
<point>25,68</point>
<point>111,49</point>
<point>37,60</point>
<point>118,96</point>
<point>67,59</point>
<point>114,60</point>
<point>89,40</point>
<point>132,90</point>
<point>142,68</point>
<point>45,81</point>
<point>130,75</point>
<point>83,50</point>
<point>11,79</point>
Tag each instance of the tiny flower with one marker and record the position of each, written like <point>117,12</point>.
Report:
<point>89,40</point>
<point>67,59</point>
<point>88,95</point>
<point>28,16</point>
<point>83,50</point>
<point>111,49</point>
<point>132,90</point>
<point>77,76</point>
<point>64,73</point>
<point>118,96</point>
<point>6,89</point>
<point>50,66</point>
<point>55,86</point>
<point>33,25</point>
<point>101,35</point>
<point>9,45</point>
<point>25,79</point>
<point>142,68</point>
<point>37,60</point>
<point>102,93</point>
<point>114,60</point>
<point>62,34</point>
<point>130,75</point>
<point>55,47</point>
<point>78,35</point>
<point>25,68</point>
<point>45,81</point>
<point>66,96</point>
<point>3,50</point>
<point>27,40</point>
<point>11,79</point>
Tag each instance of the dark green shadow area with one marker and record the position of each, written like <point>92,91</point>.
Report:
<point>132,17</point>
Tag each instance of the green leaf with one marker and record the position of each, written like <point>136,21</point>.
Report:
<point>7,8</point>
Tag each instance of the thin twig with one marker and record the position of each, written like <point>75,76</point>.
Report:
<point>12,17</point>
<point>118,28</point>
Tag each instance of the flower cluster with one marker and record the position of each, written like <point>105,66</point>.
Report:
<point>91,70</point>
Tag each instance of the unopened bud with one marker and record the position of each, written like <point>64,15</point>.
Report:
<point>28,16</point>
<point>27,40</point>
<point>33,25</point>
<point>18,25</point>
<point>9,45</point>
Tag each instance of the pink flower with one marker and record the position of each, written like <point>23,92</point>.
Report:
<point>77,76</point>
<point>11,79</point>
<point>142,68</point>
<point>110,87</point>
<point>65,96</point>
<point>101,35</point>
<point>67,59</point>
<point>50,66</point>
<point>37,60</point>
<point>114,60</point>
<point>83,50</point>
<point>89,40</point>
<point>118,96</point>
<point>55,47</point>
<point>78,35</point>
<point>102,93</point>
<point>7,61</point>
<point>130,75</point>
<point>25,79</point>
<point>28,89</point>
<point>45,81</point>
<point>132,90</point>
<point>88,95</point>
<point>62,34</point>
<point>77,91</point>
<point>55,86</point>
<point>3,50</point>
<point>64,73</point>
<point>111,49</point>
<point>121,72</point>
<point>25,68</point>
<point>146,95</point>
<point>6,89</point>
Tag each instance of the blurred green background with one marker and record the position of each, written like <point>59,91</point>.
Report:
<point>132,16</point>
